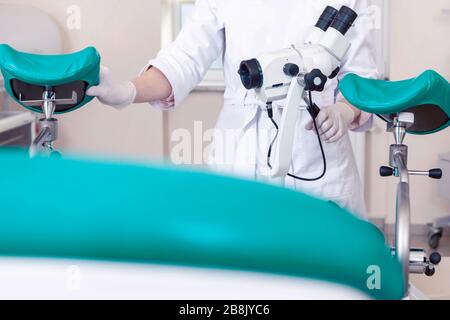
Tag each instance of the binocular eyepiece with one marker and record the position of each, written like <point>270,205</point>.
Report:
<point>326,19</point>
<point>341,20</point>
<point>251,72</point>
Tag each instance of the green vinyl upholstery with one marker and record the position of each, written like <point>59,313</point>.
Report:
<point>27,75</point>
<point>427,96</point>
<point>168,216</point>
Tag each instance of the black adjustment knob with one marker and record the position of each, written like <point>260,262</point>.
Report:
<point>435,258</point>
<point>435,174</point>
<point>335,73</point>
<point>315,81</point>
<point>291,69</point>
<point>386,171</point>
<point>430,271</point>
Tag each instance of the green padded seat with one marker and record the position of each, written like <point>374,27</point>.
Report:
<point>27,75</point>
<point>427,96</point>
<point>168,216</point>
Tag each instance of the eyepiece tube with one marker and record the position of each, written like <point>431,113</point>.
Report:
<point>344,20</point>
<point>326,18</point>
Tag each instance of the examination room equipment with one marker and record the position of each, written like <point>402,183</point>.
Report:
<point>294,73</point>
<point>419,106</point>
<point>115,226</point>
<point>77,227</point>
<point>136,226</point>
<point>49,84</point>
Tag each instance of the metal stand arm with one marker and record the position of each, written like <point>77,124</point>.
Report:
<point>45,139</point>
<point>412,260</point>
<point>403,229</point>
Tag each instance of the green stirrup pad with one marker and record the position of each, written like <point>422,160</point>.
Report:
<point>427,96</point>
<point>64,73</point>
<point>168,216</point>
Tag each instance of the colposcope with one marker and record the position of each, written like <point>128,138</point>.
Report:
<point>292,74</point>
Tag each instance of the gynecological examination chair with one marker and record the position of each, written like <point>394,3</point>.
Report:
<point>75,228</point>
<point>49,84</point>
<point>419,106</point>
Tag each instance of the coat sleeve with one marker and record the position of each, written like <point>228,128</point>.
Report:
<point>186,61</point>
<point>361,58</point>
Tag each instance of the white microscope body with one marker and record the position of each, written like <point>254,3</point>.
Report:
<point>291,73</point>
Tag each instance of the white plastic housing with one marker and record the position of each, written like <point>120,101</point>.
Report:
<point>276,83</point>
<point>336,43</point>
<point>315,36</point>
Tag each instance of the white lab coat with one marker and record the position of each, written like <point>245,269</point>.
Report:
<point>240,30</point>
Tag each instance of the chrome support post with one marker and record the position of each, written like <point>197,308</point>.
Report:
<point>49,126</point>
<point>412,260</point>
<point>398,159</point>
<point>403,216</point>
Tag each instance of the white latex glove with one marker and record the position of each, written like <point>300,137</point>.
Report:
<point>111,93</point>
<point>333,122</point>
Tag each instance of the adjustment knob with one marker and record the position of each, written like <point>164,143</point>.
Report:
<point>435,258</point>
<point>435,174</point>
<point>291,69</point>
<point>386,171</point>
<point>429,272</point>
<point>335,73</point>
<point>315,81</point>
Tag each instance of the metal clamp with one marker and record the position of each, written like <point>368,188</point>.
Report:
<point>49,102</point>
<point>420,263</point>
<point>46,137</point>
<point>49,96</point>
<point>49,126</point>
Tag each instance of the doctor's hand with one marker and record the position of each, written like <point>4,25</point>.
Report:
<point>334,122</point>
<point>111,93</point>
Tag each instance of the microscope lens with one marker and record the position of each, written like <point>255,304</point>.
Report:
<point>344,20</point>
<point>326,18</point>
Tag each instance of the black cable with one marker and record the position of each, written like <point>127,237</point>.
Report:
<point>324,159</point>
<point>269,154</point>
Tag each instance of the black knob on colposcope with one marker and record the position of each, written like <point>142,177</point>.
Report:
<point>291,69</point>
<point>315,81</point>
<point>435,258</point>
<point>435,174</point>
<point>429,272</point>
<point>335,73</point>
<point>386,171</point>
